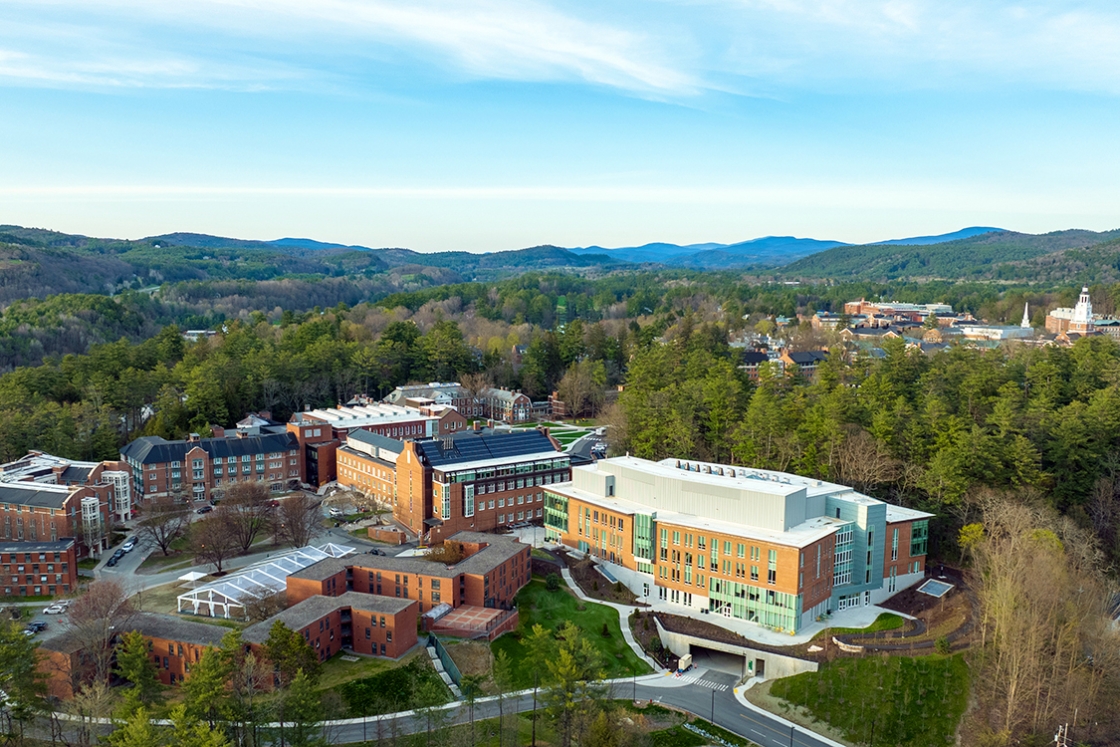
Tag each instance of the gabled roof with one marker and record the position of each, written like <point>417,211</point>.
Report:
<point>157,450</point>
<point>473,447</point>
<point>173,628</point>
<point>300,615</point>
<point>754,358</point>
<point>809,357</point>
<point>74,473</point>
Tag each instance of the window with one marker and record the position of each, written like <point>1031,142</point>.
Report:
<point>919,537</point>
<point>740,550</point>
<point>772,567</point>
<point>894,545</point>
<point>754,573</point>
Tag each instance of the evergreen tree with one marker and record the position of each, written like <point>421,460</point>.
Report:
<point>134,665</point>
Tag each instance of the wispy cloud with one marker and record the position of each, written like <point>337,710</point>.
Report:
<point>1065,44</point>
<point>502,39</point>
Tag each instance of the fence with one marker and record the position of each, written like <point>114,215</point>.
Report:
<point>449,665</point>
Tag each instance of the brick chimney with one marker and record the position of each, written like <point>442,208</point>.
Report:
<point>217,431</point>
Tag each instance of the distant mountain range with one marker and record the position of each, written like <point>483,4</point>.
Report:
<point>768,250</point>
<point>37,262</point>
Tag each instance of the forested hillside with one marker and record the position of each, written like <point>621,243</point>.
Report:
<point>1002,255</point>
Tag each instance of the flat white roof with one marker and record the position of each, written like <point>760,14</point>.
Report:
<point>802,535</point>
<point>901,513</point>
<point>362,415</point>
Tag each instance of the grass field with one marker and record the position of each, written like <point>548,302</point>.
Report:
<point>884,622</point>
<point>885,700</point>
<point>538,606</point>
<point>337,672</point>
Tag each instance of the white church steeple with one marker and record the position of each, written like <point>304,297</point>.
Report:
<point>1026,323</point>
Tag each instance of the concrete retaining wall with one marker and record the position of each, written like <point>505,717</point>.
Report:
<point>773,666</point>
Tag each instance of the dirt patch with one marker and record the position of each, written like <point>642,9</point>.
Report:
<point>594,584</point>
<point>473,659</point>
<point>761,697</point>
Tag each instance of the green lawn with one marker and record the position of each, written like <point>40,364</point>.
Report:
<point>893,700</point>
<point>538,606</point>
<point>885,621</point>
<point>336,671</point>
<point>88,563</point>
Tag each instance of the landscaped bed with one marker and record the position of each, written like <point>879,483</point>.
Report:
<point>594,584</point>
<point>539,606</point>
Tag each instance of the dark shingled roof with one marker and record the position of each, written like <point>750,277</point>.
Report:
<point>59,546</point>
<point>809,357</point>
<point>33,494</point>
<point>75,474</point>
<point>174,628</point>
<point>754,358</point>
<point>500,549</point>
<point>472,447</point>
<point>299,616</point>
<point>156,450</point>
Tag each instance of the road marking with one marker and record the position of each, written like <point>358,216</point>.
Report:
<point>695,680</point>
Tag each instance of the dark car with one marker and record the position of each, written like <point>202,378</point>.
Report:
<point>37,627</point>
<point>118,554</point>
<point>205,510</point>
<point>111,561</point>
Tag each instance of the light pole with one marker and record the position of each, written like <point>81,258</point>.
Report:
<point>713,706</point>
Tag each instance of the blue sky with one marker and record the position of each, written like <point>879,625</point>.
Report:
<point>484,125</point>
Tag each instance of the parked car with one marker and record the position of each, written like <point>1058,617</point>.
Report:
<point>111,561</point>
<point>336,513</point>
<point>54,609</point>
<point>37,627</point>
<point>205,510</point>
<point>129,544</point>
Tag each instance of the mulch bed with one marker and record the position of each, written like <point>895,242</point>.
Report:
<point>594,584</point>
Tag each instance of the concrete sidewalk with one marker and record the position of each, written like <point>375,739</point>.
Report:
<point>624,612</point>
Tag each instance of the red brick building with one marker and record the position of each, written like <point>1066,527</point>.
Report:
<point>201,467</point>
<point>476,481</point>
<point>364,623</point>
<point>493,569</point>
<point>43,512</point>
<point>39,568</point>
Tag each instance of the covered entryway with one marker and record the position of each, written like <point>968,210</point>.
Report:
<point>718,661</point>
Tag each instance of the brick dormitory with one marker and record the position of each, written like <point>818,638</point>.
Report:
<point>368,604</point>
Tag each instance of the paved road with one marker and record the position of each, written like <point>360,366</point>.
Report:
<point>710,696</point>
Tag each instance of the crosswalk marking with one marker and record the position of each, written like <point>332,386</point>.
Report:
<point>693,679</point>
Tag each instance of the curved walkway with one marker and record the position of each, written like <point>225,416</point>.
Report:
<point>624,612</point>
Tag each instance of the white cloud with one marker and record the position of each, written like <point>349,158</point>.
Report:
<point>506,39</point>
<point>1065,44</point>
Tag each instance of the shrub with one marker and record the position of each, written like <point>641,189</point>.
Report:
<point>595,585</point>
<point>606,631</point>
<point>942,645</point>
<point>552,582</point>
<point>618,587</point>
<point>655,645</point>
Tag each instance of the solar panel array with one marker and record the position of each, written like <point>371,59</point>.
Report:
<point>473,447</point>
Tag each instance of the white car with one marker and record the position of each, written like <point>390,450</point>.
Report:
<point>54,609</point>
<point>129,546</point>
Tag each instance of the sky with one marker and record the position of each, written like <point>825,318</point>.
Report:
<point>486,125</point>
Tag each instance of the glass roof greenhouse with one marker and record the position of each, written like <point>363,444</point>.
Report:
<point>222,597</point>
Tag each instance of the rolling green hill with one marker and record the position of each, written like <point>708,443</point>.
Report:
<point>1003,255</point>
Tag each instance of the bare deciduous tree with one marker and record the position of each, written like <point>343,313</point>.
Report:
<point>1045,602</point>
<point>214,541</point>
<point>298,519</point>
<point>94,619</point>
<point>163,521</point>
<point>247,507</point>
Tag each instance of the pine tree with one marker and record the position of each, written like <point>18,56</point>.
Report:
<point>134,665</point>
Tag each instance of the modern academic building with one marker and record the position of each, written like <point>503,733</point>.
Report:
<point>768,547</point>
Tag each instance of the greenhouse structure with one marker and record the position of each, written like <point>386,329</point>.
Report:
<point>227,597</point>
